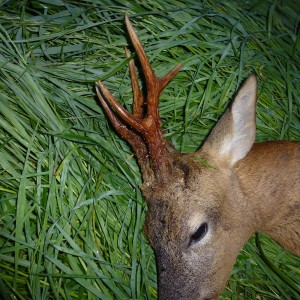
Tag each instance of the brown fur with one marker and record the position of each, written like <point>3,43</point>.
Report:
<point>226,198</point>
<point>231,187</point>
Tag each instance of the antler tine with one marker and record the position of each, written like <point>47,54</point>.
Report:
<point>132,138</point>
<point>154,84</point>
<point>167,78</point>
<point>138,99</point>
<point>120,110</point>
<point>147,69</point>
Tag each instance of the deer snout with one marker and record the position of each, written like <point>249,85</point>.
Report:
<point>166,294</point>
<point>183,287</point>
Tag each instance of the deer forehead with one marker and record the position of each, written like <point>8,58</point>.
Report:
<point>177,208</point>
<point>191,185</point>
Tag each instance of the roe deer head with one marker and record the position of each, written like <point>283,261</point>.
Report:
<point>204,206</point>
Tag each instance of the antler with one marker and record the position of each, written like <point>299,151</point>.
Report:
<point>141,129</point>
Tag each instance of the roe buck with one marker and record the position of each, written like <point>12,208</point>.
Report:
<point>201,214</point>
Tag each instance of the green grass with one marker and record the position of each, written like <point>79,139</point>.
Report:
<point>71,212</point>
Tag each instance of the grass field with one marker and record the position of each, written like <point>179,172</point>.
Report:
<point>71,211</point>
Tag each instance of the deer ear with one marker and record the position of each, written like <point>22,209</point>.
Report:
<point>233,136</point>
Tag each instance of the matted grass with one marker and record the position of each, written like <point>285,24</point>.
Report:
<point>71,212</point>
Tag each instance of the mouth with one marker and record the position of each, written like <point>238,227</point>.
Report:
<point>187,296</point>
<point>209,298</point>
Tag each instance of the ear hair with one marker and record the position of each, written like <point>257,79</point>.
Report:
<point>234,134</point>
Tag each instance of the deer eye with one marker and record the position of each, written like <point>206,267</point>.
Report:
<point>199,233</point>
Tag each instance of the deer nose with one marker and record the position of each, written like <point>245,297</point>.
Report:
<point>168,297</point>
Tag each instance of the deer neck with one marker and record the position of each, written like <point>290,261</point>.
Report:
<point>269,180</point>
